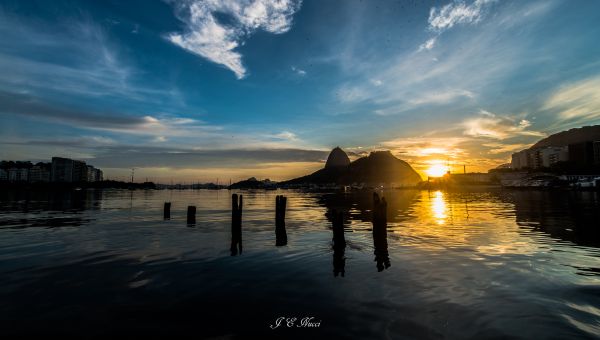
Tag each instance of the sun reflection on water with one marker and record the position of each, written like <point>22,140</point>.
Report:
<point>438,208</point>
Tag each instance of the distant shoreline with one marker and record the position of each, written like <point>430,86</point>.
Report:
<point>152,186</point>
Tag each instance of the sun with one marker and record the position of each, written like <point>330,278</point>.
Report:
<point>437,170</point>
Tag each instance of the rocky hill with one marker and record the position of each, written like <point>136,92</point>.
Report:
<point>377,168</point>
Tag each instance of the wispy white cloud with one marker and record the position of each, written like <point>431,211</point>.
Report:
<point>501,148</point>
<point>457,12</point>
<point>376,82</point>
<point>412,147</point>
<point>490,125</point>
<point>207,36</point>
<point>90,63</point>
<point>578,100</point>
<point>287,135</point>
<point>446,17</point>
<point>298,71</point>
<point>458,78</point>
<point>428,44</point>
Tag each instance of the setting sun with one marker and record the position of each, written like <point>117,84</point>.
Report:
<point>437,170</point>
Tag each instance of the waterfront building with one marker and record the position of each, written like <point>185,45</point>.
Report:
<point>18,174</point>
<point>39,173</point>
<point>520,160</point>
<point>62,169</point>
<point>69,170</point>
<point>3,175</point>
<point>551,155</point>
<point>581,154</point>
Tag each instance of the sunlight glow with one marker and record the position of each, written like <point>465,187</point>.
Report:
<point>437,170</point>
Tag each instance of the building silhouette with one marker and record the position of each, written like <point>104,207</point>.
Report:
<point>61,170</point>
<point>40,172</point>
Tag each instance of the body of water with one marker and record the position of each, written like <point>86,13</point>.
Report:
<point>523,264</point>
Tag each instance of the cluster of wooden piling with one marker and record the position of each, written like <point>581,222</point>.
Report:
<point>280,232</point>
<point>379,220</point>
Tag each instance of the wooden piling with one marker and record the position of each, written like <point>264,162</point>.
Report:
<point>191,214</point>
<point>280,231</point>
<point>167,211</point>
<point>236,224</point>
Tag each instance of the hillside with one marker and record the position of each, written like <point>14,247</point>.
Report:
<point>572,136</point>
<point>379,167</point>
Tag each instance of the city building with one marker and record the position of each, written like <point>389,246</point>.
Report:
<point>18,174</point>
<point>79,171</point>
<point>98,175</point>
<point>62,169</point>
<point>540,158</point>
<point>520,160</point>
<point>551,155</point>
<point>581,154</point>
<point>40,173</point>
<point>93,174</point>
<point>3,175</point>
<point>69,170</point>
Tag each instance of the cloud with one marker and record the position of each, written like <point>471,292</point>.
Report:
<point>499,148</point>
<point>457,12</point>
<point>413,147</point>
<point>73,57</point>
<point>286,135</point>
<point>215,40</point>
<point>298,71</point>
<point>472,68</point>
<point>428,44</point>
<point>578,100</point>
<point>25,105</point>
<point>490,125</point>
<point>146,156</point>
<point>376,82</point>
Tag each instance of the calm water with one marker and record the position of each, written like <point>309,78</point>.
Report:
<point>462,265</point>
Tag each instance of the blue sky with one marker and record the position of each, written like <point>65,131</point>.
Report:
<point>199,89</point>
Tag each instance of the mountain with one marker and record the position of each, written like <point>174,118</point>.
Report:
<point>572,136</point>
<point>337,158</point>
<point>379,167</point>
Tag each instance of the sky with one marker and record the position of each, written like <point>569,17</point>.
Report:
<point>196,90</point>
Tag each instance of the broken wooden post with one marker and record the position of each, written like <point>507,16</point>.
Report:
<point>339,243</point>
<point>191,214</point>
<point>167,211</point>
<point>280,232</point>
<point>380,232</point>
<point>236,224</point>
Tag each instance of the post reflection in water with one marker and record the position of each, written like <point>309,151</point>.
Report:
<point>339,243</point>
<point>236,224</point>
<point>380,233</point>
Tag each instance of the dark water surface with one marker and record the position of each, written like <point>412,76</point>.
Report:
<point>462,265</point>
